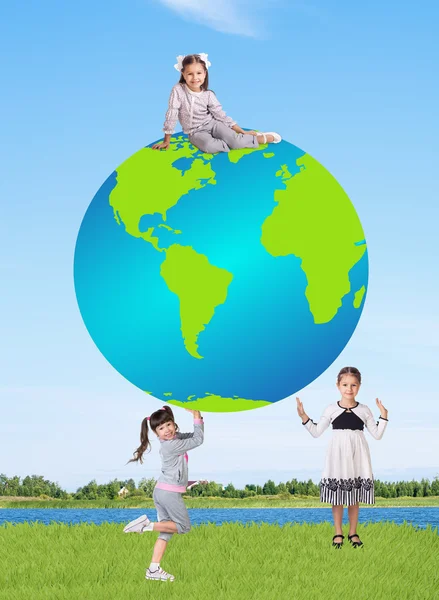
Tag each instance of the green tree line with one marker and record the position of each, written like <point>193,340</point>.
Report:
<point>36,485</point>
<point>384,489</point>
<point>31,485</point>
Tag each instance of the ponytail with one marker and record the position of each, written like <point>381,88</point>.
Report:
<point>160,416</point>
<point>144,442</point>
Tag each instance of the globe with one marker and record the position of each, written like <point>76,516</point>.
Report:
<point>220,282</point>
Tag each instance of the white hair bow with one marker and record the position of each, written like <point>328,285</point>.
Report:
<point>180,58</point>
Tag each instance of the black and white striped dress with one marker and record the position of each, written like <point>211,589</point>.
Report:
<point>347,477</point>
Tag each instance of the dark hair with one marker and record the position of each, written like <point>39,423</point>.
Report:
<point>349,371</point>
<point>189,60</point>
<point>157,418</point>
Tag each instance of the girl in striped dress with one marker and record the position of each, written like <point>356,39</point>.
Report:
<point>347,478</point>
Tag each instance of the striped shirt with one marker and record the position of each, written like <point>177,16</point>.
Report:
<point>194,110</point>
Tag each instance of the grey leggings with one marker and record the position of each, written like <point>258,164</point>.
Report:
<point>171,507</point>
<point>217,137</point>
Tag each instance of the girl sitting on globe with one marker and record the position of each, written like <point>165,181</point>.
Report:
<point>347,477</point>
<point>172,514</point>
<point>201,115</point>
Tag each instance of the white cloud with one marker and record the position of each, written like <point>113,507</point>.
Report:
<point>226,16</point>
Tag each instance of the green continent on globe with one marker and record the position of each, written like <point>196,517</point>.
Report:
<point>148,184</point>
<point>315,221</point>
<point>236,154</point>
<point>215,403</point>
<point>200,288</point>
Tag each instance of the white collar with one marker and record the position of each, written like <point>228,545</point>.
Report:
<point>191,92</point>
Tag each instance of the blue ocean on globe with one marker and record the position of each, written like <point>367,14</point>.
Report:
<point>221,282</point>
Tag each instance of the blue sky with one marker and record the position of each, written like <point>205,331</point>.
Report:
<point>85,86</point>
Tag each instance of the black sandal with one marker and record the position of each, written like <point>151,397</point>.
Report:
<point>338,545</point>
<point>355,544</point>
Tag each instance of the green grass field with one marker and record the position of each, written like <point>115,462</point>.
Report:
<point>282,501</point>
<point>230,562</point>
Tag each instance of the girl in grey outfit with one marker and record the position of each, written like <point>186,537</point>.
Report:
<point>201,115</point>
<point>172,515</point>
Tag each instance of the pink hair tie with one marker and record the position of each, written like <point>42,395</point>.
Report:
<point>148,418</point>
<point>163,408</point>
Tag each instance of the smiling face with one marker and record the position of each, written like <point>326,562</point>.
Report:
<point>348,388</point>
<point>166,431</point>
<point>194,76</point>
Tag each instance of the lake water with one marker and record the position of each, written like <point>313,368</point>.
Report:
<point>419,517</point>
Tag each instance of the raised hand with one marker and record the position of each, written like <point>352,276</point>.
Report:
<point>383,411</point>
<point>300,410</point>
<point>196,413</point>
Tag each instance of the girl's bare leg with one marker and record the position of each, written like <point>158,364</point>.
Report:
<point>160,545</point>
<point>337,513</point>
<point>159,550</point>
<point>353,511</point>
<point>165,527</point>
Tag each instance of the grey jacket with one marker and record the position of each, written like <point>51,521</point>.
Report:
<point>174,457</point>
<point>194,110</point>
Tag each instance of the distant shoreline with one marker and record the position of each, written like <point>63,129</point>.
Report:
<point>258,502</point>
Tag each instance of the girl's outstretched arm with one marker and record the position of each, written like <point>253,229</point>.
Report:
<point>315,429</point>
<point>163,145</point>
<point>171,119</point>
<point>376,429</point>
<point>239,129</point>
<point>181,444</point>
<point>197,419</point>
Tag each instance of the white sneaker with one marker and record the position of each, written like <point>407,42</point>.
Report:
<point>137,525</point>
<point>276,136</point>
<point>159,574</point>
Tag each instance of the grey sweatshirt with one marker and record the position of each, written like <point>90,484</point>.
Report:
<point>174,457</point>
